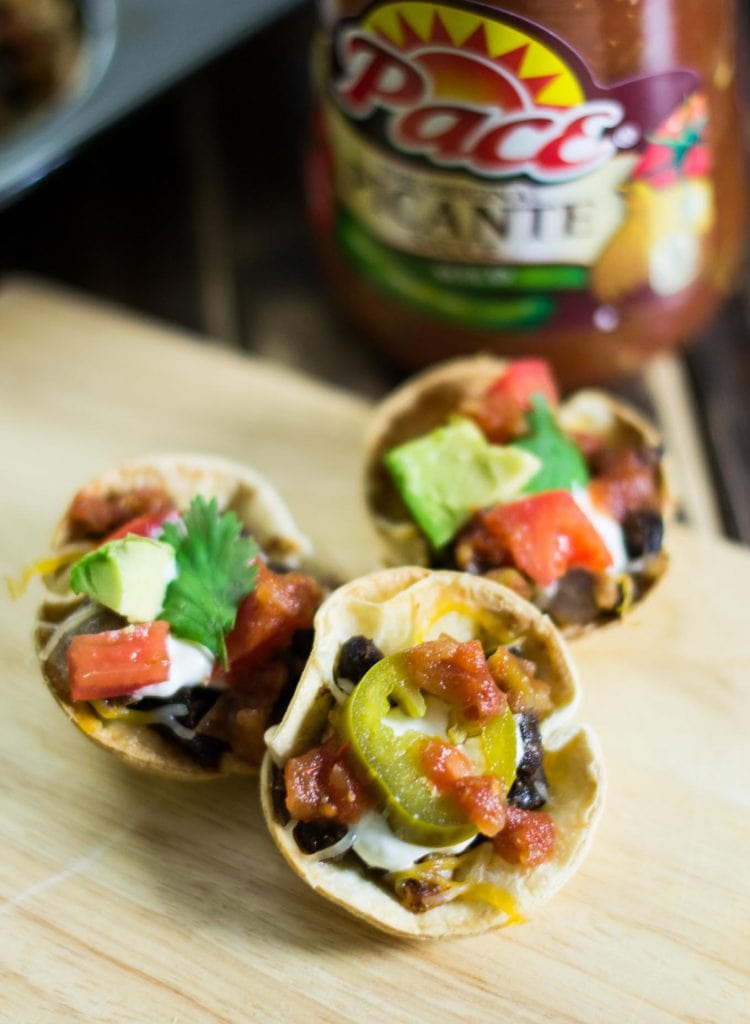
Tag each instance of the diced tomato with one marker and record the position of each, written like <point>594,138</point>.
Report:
<point>515,676</point>
<point>527,839</point>
<point>479,797</point>
<point>444,764</point>
<point>268,618</point>
<point>240,717</point>
<point>500,410</point>
<point>543,535</point>
<point>148,525</point>
<point>92,516</point>
<point>118,661</point>
<point>525,378</point>
<point>322,784</point>
<point>625,482</point>
<point>458,673</point>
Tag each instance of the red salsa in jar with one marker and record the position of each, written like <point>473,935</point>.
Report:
<point>528,176</point>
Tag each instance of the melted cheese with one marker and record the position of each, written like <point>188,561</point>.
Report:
<point>380,848</point>
<point>434,722</point>
<point>446,616</point>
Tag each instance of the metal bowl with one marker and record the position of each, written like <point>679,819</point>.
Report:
<point>30,145</point>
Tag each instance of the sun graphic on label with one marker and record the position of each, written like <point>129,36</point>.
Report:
<point>473,59</point>
<point>459,90</point>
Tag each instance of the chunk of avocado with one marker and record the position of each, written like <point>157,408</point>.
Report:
<point>447,475</point>
<point>130,576</point>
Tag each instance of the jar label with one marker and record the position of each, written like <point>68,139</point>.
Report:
<point>482,174</point>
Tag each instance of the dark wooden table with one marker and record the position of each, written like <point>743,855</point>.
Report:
<point>191,210</point>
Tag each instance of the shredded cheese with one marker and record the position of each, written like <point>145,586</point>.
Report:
<point>17,587</point>
<point>166,715</point>
<point>67,625</point>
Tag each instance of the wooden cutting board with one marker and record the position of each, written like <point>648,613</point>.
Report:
<point>130,899</point>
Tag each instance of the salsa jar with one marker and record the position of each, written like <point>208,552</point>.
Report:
<point>528,176</point>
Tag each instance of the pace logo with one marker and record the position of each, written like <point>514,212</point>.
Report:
<point>471,92</point>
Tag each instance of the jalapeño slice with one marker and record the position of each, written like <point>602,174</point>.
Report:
<point>498,740</point>
<point>414,809</point>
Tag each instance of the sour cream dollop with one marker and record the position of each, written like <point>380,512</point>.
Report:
<point>608,528</point>
<point>380,848</point>
<point>189,665</point>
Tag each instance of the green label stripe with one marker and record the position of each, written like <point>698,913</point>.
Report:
<point>479,278</point>
<point>458,291</point>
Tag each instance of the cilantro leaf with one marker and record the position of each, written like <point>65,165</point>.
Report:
<point>213,575</point>
<point>562,461</point>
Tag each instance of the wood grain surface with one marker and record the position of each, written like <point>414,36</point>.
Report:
<point>127,899</point>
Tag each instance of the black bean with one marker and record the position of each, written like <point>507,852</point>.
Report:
<point>197,700</point>
<point>529,795</point>
<point>644,532</point>
<point>533,751</point>
<point>312,836</point>
<point>302,642</point>
<point>357,656</point>
<point>295,656</point>
<point>529,789</point>
<point>207,751</point>
<point>574,601</point>
<point>444,558</point>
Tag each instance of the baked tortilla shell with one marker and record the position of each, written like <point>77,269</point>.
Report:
<point>425,401</point>
<point>263,513</point>
<point>398,608</point>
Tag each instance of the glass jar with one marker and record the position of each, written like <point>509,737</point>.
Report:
<point>528,176</point>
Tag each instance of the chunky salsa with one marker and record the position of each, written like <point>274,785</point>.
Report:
<point>217,660</point>
<point>561,501</point>
<point>436,751</point>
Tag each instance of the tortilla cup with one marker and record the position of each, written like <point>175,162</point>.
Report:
<point>262,512</point>
<point>398,608</point>
<point>425,402</point>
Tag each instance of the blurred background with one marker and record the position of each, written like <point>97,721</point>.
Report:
<point>150,156</point>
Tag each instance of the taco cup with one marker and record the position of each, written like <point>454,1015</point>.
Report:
<point>177,616</point>
<point>476,465</point>
<point>466,805</point>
